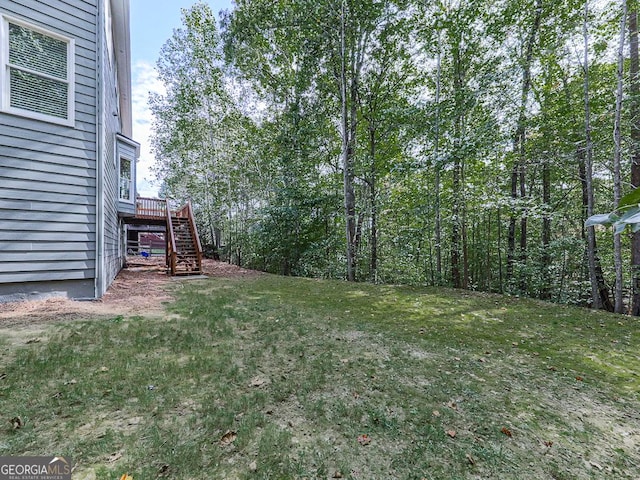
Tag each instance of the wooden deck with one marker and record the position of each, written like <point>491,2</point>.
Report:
<point>151,208</point>
<point>183,248</point>
<point>149,211</point>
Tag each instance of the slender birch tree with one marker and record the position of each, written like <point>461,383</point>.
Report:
<point>617,153</point>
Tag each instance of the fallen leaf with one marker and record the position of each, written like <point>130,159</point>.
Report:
<point>579,378</point>
<point>482,360</point>
<point>548,444</point>
<point>126,476</point>
<point>453,405</point>
<point>33,340</point>
<point>451,433</point>
<point>3,376</point>
<point>337,474</point>
<point>258,382</point>
<point>16,423</point>
<point>228,438</point>
<point>104,369</point>
<point>164,469</point>
<point>436,413</point>
<point>594,464</point>
<point>364,439</point>
<point>507,432</point>
<point>114,457</point>
<point>553,369</point>
<point>470,459</point>
<point>253,466</point>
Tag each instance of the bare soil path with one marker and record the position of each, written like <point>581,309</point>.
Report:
<point>139,289</point>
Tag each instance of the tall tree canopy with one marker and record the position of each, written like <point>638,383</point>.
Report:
<point>446,143</point>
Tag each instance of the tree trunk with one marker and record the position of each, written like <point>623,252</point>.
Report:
<point>522,257</point>
<point>634,107</point>
<point>347,156</point>
<point>519,170</point>
<point>545,293</point>
<point>437,166</point>
<point>587,183</point>
<point>457,186</point>
<point>359,224</point>
<point>465,252</point>
<point>373,196</point>
<point>511,235</point>
<point>602,297</point>
<point>617,178</point>
<point>500,268</point>
<point>487,247</point>
<point>456,276</point>
<point>463,227</point>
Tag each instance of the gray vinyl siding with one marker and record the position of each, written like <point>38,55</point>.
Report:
<point>48,171</point>
<point>113,229</point>
<point>113,239</point>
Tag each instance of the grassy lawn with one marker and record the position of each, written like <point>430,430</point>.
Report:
<point>278,378</point>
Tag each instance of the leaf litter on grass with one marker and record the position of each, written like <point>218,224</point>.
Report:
<point>334,375</point>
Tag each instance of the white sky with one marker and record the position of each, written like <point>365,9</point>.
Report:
<point>152,23</point>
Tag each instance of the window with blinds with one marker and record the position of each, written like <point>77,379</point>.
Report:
<point>37,73</point>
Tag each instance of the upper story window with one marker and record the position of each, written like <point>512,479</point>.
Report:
<point>126,180</point>
<point>37,73</point>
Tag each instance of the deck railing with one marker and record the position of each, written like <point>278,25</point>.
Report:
<point>151,208</point>
<point>156,211</point>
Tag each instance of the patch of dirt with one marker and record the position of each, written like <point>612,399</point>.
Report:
<point>139,289</point>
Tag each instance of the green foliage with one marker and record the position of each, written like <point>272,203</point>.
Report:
<point>627,214</point>
<point>251,130</point>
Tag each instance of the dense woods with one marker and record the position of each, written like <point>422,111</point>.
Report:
<point>456,143</point>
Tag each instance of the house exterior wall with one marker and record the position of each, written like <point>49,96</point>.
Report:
<point>48,172</point>
<point>112,229</point>
<point>116,121</point>
<point>60,233</point>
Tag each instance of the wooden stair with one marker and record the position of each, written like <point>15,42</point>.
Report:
<point>184,252</point>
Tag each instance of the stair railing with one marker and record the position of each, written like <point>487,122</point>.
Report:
<point>194,234</point>
<point>172,254</point>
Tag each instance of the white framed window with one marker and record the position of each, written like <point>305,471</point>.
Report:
<point>126,179</point>
<point>37,72</point>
